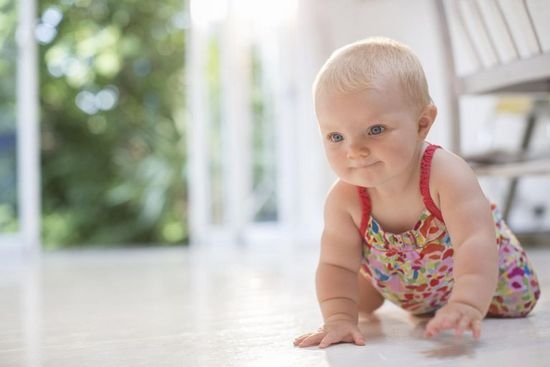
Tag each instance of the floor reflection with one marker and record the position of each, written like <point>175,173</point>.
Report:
<point>215,308</point>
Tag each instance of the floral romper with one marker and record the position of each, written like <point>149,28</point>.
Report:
<point>414,269</point>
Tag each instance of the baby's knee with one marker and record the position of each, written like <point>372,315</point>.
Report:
<point>514,304</point>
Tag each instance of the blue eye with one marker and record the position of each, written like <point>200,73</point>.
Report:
<point>335,137</point>
<point>376,130</point>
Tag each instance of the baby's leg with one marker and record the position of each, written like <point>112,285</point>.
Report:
<point>515,297</point>
<point>518,287</point>
<point>369,298</point>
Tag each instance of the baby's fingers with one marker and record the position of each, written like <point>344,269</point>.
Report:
<point>466,323</point>
<point>462,325</point>
<point>476,328</point>
<point>459,324</point>
<point>358,338</point>
<point>431,330</point>
<point>301,338</point>
<point>311,340</point>
<point>331,338</point>
<point>434,326</point>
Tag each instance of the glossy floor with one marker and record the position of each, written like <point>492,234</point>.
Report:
<point>224,306</point>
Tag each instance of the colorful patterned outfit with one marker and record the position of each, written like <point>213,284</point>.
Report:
<point>414,269</point>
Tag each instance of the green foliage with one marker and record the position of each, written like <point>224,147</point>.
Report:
<point>8,61</point>
<point>112,111</point>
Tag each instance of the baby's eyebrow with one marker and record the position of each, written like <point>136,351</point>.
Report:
<point>327,127</point>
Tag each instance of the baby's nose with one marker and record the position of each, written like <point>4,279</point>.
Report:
<point>358,150</point>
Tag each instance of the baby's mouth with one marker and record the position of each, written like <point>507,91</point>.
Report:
<point>363,165</point>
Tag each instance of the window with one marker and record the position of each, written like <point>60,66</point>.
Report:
<point>19,170</point>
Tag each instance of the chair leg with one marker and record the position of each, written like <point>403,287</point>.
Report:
<point>525,142</point>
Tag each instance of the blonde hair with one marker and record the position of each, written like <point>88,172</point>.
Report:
<point>363,64</point>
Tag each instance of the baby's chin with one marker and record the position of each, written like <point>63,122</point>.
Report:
<point>358,182</point>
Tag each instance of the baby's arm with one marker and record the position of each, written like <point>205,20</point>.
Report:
<point>467,215</point>
<point>336,280</point>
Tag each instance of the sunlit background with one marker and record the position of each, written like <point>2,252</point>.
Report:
<point>177,122</point>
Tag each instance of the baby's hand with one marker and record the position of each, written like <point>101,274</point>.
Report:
<point>332,333</point>
<point>457,316</point>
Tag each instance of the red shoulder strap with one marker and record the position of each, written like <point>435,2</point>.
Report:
<point>366,208</point>
<point>425,168</point>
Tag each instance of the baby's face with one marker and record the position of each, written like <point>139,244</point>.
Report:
<point>370,137</point>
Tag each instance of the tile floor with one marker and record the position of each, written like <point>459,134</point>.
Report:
<point>224,306</point>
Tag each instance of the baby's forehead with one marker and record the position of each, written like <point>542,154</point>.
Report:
<point>367,107</point>
<point>390,86</point>
<point>383,90</point>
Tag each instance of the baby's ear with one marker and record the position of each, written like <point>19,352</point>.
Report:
<point>426,119</point>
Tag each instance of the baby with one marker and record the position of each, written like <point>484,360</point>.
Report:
<point>406,221</point>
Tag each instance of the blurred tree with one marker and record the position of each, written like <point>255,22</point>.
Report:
<point>112,115</point>
<point>8,61</point>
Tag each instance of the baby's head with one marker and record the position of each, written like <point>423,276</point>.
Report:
<point>369,64</point>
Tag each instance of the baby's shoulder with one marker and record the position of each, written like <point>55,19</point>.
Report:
<point>343,195</point>
<point>343,206</point>
<point>448,167</point>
